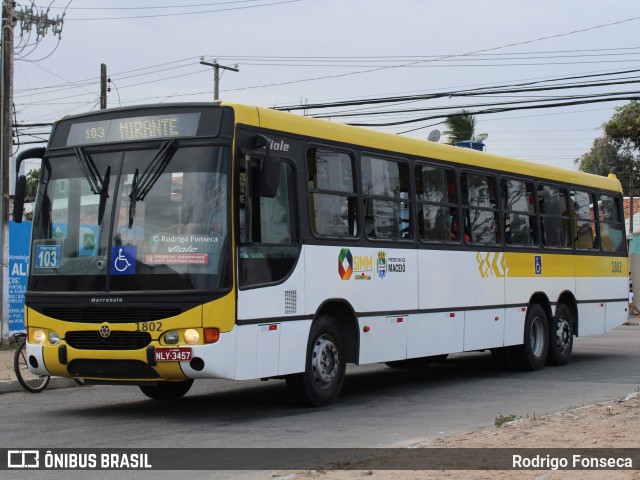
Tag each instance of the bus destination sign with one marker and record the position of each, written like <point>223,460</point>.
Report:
<point>134,128</point>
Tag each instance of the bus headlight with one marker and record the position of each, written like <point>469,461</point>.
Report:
<point>54,338</point>
<point>39,337</point>
<point>171,338</point>
<point>191,336</point>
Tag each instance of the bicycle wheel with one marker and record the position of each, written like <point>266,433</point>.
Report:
<point>30,382</point>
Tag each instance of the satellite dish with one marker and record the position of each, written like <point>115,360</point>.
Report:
<point>482,137</point>
<point>434,136</point>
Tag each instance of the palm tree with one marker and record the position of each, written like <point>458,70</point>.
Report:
<point>461,126</point>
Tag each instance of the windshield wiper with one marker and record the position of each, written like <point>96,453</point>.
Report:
<point>97,184</point>
<point>142,185</point>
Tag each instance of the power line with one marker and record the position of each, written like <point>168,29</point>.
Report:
<point>183,13</point>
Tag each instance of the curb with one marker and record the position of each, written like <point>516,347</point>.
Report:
<point>8,386</point>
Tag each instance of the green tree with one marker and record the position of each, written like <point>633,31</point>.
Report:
<point>624,127</point>
<point>462,126</point>
<point>623,130</point>
<point>603,157</point>
<point>33,178</point>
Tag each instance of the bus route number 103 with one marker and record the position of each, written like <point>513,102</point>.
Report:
<point>47,256</point>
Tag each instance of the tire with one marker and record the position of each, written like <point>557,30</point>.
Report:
<point>30,382</point>
<point>416,363</point>
<point>532,354</point>
<point>561,336</point>
<point>321,382</point>
<point>167,390</point>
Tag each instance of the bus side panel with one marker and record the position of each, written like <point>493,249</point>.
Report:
<point>602,289</point>
<point>617,314</point>
<point>470,281</point>
<point>592,318</point>
<point>293,346</point>
<point>483,329</point>
<point>435,334</point>
<point>386,340</point>
<point>514,325</point>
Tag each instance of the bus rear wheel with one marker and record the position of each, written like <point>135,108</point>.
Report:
<point>167,390</point>
<point>321,382</point>
<point>532,354</point>
<point>561,336</point>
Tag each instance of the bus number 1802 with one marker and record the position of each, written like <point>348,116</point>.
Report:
<point>148,326</point>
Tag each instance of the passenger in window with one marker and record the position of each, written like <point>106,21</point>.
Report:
<point>454,234</point>
<point>454,230</point>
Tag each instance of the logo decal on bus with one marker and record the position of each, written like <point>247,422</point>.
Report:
<point>492,264</point>
<point>382,264</point>
<point>345,264</point>
<point>349,264</point>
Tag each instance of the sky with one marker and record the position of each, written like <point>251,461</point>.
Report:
<point>304,52</point>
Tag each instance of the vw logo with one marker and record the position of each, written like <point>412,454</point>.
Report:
<point>105,331</point>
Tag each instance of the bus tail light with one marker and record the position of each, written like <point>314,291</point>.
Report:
<point>211,335</point>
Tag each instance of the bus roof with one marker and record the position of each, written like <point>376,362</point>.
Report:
<point>323,129</point>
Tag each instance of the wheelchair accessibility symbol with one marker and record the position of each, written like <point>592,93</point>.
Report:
<point>123,260</point>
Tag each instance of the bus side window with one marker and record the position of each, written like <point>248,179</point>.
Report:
<point>332,193</point>
<point>554,216</point>
<point>611,224</point>
<point>583,219</point>
<point>480,207</point>
<point>385,185</point>
<point>519,215</point>
<point>437,204</point>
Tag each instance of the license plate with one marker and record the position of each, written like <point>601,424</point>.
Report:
<point>177,354</point>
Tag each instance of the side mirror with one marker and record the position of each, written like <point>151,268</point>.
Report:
<point>270,171</point>
<point>21,181</point>
<point>18,201</point>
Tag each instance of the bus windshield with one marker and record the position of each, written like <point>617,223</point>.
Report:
<point>132,219</point>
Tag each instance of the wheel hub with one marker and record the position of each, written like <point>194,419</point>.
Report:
<point>563,335</point>
<point>324,361</point>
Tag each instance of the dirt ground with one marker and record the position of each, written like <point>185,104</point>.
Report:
<point>613,424</point>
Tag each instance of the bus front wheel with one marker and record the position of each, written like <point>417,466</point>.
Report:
<point>532,354</point>
<point>167,390</point>
<point>561,336</point>
<point>321,382</point>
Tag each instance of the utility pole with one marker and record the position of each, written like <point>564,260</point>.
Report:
<point>28,19</point>
<point>216,75</point>
<point>103,86</point>
<point>6,75</point>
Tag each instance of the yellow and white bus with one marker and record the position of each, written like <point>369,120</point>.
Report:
<point>172,243</point>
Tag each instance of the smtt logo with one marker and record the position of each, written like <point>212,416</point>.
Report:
<point>23,459</point>
<point>345,264</point>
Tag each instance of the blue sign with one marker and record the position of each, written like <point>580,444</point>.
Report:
<point>123,260</point>
<point>537,262</point>
<point>19,235</point>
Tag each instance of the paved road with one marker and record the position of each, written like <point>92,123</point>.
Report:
<point>379,407</point>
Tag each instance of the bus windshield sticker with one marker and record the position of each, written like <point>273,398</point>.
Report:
<point>123,260</point>
<point>134,128</point>
<point>47,257</point>
<point>176,258</point>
